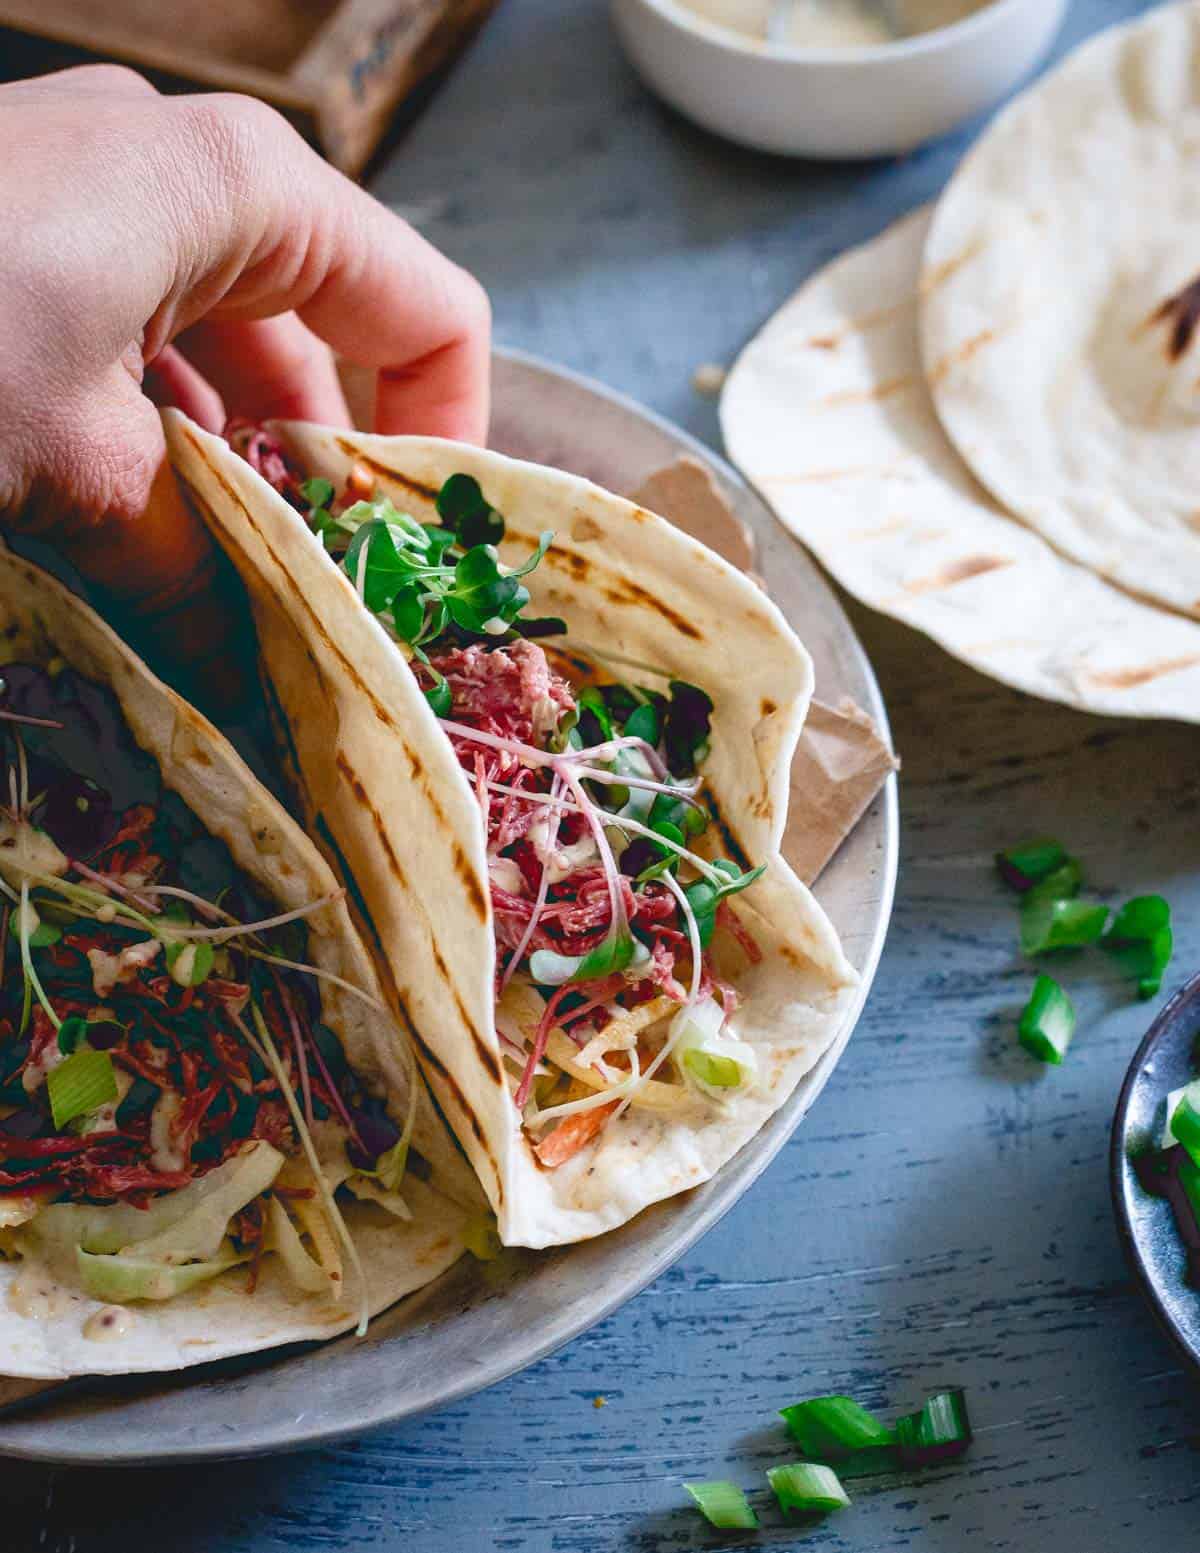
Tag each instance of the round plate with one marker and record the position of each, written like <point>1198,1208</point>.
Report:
<point>481,1322</point>
<point>1146,1224</point>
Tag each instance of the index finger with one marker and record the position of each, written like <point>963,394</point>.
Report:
<point>356,274</point>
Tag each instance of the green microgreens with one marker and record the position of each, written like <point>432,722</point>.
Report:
<point>423,580</point>
<point>32,983</point>
<point>704,896</point>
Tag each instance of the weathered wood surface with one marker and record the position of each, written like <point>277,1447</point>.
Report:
<point>943,1215</point>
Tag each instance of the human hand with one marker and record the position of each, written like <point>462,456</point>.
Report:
<point>194,251</point>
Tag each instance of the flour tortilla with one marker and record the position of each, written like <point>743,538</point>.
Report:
<point>828,413</point>
<point>39,621</point>
<point>384,789</point>
<point>1057,319</point>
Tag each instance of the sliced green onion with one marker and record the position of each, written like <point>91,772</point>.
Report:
<point>807,1486</point>
<point>1142,941</point>
<point>1060,885</point>
<point>84,1082</point>
<point>723,1504</point>
<point>939,1432</point>
<point>1184,1120</point>
<point>1168,1139</point>
<point>1060,924</point>
<point>1030,861</point>
<point>1141,917</point>
<point>833,1428</point>
<point>720,1072</point>
<point>1047,1021</point>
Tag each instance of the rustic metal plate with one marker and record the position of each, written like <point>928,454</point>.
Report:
<point>481,1322</point>
<point>1152,1243</point>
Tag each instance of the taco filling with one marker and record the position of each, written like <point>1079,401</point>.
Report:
<point>171,1104</point>
<point>610,914</point>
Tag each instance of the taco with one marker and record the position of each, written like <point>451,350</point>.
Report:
<point>548,738</point>
<point>213,1138</point>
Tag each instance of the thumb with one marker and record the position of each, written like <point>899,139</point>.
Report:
<point>113,509</point>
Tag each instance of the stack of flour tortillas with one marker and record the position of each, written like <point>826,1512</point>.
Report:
<point>987,422</point>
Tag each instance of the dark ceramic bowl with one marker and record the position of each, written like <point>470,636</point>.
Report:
<point>1147,1227</point>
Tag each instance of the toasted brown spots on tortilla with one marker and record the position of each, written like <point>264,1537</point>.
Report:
<point>585,528</point>
<point>1182,313</point>
<point>484,1052</point>
<point>626,592</point>
<point>1131,679</point>
<point>884,390</point>
<point>768,706</point>
<point>941,273</point>
<point>963,353</point>
<point>354,781</point>
<point>385,472</point>
<point>962,570</point>
<point>796,961</point>
<point>475,894</point>
<point>863,324</point>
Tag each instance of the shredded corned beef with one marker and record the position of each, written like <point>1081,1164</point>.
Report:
<point>509,691</point>
<point>513,693</point>
<point>266,454</point>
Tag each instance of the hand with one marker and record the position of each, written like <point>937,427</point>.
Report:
<point>193,250</point>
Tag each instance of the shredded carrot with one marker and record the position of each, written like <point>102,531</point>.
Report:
<point>572,1134</point>
<point>360,483</point>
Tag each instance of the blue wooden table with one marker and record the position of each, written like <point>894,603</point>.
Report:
<point>943,1215</point>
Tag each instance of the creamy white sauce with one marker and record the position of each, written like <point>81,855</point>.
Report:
<point>104,1118</point>
<point>37,1068</point>
<point>505,875</point>
<point>109,969</point>
<point>561,861</point>
<point>25,851</point>
<point>36,1293</point>
<point>165,1154</point>
<point>833,24</point>
<point>108,1324</point>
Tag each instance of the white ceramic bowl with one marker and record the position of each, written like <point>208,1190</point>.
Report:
<point>835,102</point>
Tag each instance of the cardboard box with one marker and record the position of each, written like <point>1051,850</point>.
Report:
<point>339,69</point>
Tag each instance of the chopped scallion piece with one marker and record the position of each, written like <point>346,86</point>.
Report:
<point>83,1083</point>
<point>1168,1139</point>
<point>939,1432</point>
<point>723,1504</point>
<point>1141,940</point>
<point>1060,885</point>
<point>720,1072</point>
<point>833,1428</point>
<point>1184,1120</point>
<point>1026,864</point>
<point>1141,917</point>
<point>1060,924</point>
<point>1047,1021</point>
<point>807,1486</point>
